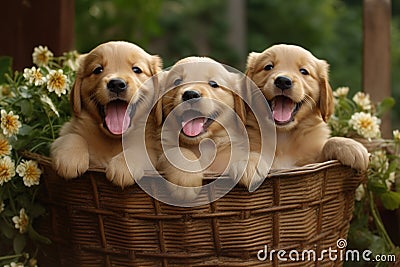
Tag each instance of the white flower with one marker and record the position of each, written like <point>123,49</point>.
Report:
<point>9,123</point>
<point>34,76</point>
<point>360,192</point>
<point>396,135</point>
<point>29,171</point>
<point>391,180</point>
<point>7,170</point>
<point>341,92</point>
<point>72,60</point>
<point>362,100</point>
<point>57,82</point>
<point>365,124</point>
<point>41,55</point>
<point>21,221</point>
<point>5,147</point>
<point>379,161</point>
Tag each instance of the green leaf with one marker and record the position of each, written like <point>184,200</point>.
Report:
<point>377,187</point>
<point>391,200</point>
<point>378,245</point>
<point>5,67</point>
<point>36,210</point>
<point>25,106</point>
<point>25,130</point>
<point>35,236</point>
<point>7,230</point>
<point>385,105</point>
<point>359,237</point>
<point>19,243</point>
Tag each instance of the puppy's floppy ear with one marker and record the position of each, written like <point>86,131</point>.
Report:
<point>251,62</point>
<point>158,108</point>
<point>158,112</point>
<point>75,95</point>
<point>326,104</point>
<point>239,95</point>
<point>156,64</point>
<point>155,69</point>
<point>240,107</point>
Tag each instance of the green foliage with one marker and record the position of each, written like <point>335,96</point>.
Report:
<point>191,27</point>
<point>367,230</point>
<point>103,20</point>
<point>37,109</point>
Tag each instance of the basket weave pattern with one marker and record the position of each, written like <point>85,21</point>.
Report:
<point>93,223</point>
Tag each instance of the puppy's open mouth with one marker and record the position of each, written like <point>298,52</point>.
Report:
<point>114,118</point>
<point>194,123</point>
<point>284,109</point>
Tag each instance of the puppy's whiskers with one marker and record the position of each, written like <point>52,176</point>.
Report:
<point>308,100</point>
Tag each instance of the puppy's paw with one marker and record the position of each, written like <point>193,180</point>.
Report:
<point>250,173</point>
<point>70,157</point>
<point>186,189</point>
<point>183,185</point>
<point>118,172</point>
<point>348,151</point>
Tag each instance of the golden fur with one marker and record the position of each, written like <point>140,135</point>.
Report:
<point>212,82</point>
<point>92,138</point>
<point>295,83</point>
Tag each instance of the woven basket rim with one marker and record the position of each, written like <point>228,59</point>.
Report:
<point>309,168</point>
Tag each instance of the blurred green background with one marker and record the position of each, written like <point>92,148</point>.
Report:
<point>330,29</point>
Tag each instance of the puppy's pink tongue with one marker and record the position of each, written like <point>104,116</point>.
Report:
<point>116,120</point>
<point>282,111</point>
<point>193,127</point>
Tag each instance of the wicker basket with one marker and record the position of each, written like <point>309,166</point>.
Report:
<point>93,223</point>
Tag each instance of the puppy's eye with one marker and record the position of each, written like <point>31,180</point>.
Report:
<point>137,70</point>
<point>213,84</point>
<point>98,70</point>
<point>177,81</point>
<point>269,67</point>
<point>304,71</point>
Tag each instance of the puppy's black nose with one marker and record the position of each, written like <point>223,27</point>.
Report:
<point>191,94</point>
<point>283,82</point>
<point>116,85</point>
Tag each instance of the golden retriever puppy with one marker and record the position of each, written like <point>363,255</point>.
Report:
<point>108,85</point>
<point>203,126</point>
<point>295,83</point>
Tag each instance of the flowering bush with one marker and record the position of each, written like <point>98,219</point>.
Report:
<point>359,118</point>
<point>33,106</point>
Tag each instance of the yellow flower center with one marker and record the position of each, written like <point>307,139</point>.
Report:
<point>10,122</point>
<point>37,75</point>
<point>4,147</point>
<point>366,123</point>
<point>31,172</point>
<point>43,58</point>
<point>4,171</point>
<point>57,81</point>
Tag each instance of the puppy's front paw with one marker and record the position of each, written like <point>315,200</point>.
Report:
<point>250,173</point>
<point>70,157</point>
<point>184,173</point>
<point>118,172</point>
<point>184,186</point>
<point>348,151</point>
